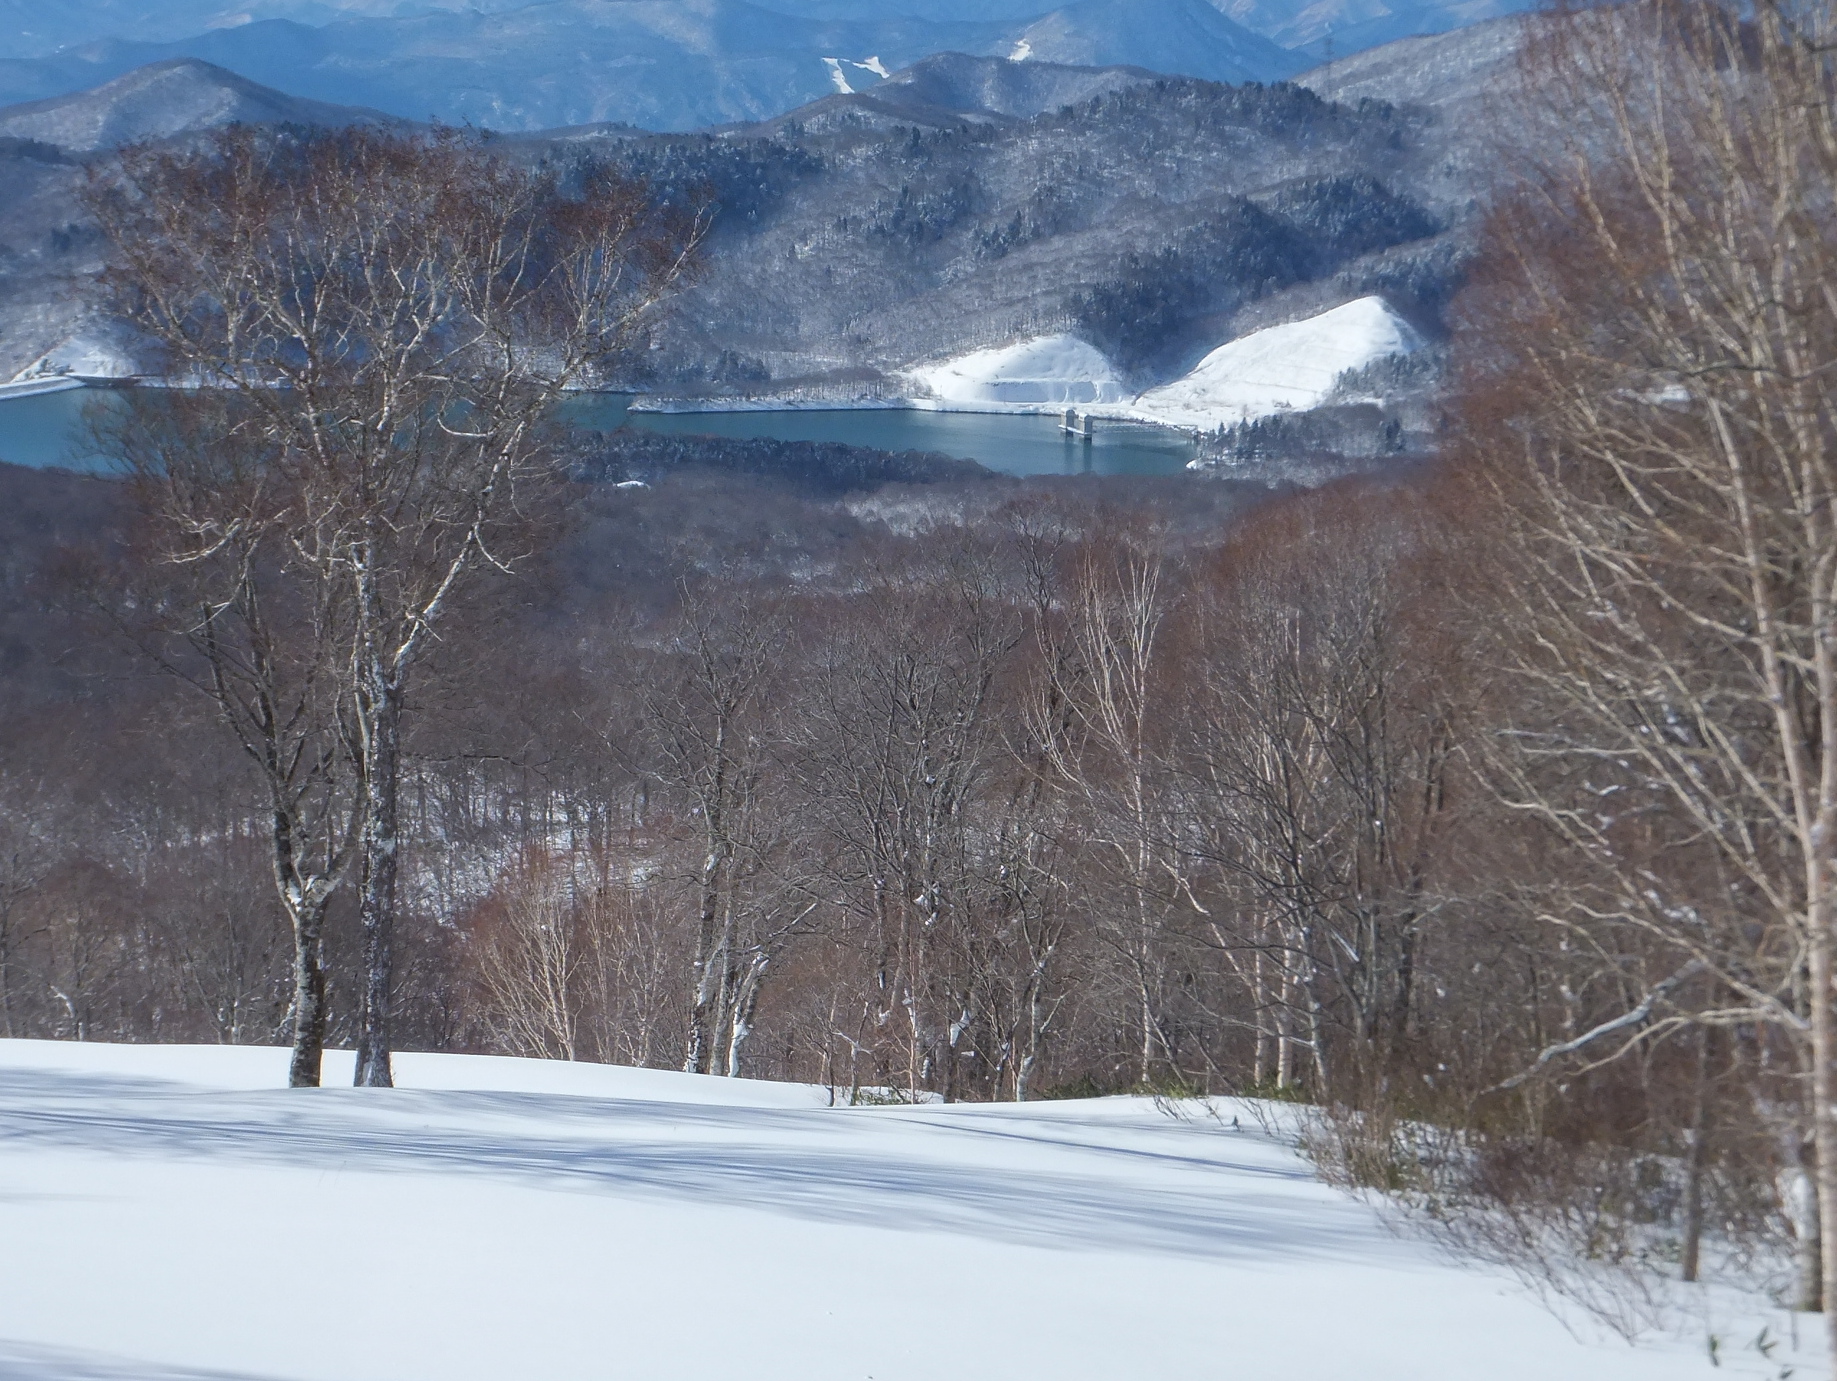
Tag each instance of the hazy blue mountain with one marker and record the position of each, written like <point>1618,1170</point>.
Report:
<point>1326,29</point>
<point>163,100</point>
<point>948,89</point>
<point>661,64</point>
<point>941,10</point>
<point>959,82</point>
<point>1187,38</point>
<point>36,28</point>
<point>1450,70</point>
<point>1318,27</point>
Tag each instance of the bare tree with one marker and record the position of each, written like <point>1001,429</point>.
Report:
<point>1661,394</point>
<point>397,316</point>
<point>709,723</point>
<point>234,606</point>
<point>1110,693</point>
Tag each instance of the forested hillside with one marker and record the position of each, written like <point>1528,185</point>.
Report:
<point>1153,220</point>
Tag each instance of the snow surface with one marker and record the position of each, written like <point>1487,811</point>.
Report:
<point>1282,367</point>
<point>1049,371</point>
<point>1293,366</point>
<point>24,387</point>
<point>170,1214</point>
<point>93,356</point>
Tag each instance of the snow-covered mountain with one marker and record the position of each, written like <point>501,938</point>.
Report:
<point>1326,29</point>
<point>660,64</point>
<point>162,100</point>
<point>866,234</point>
<point>944,91</point>
<point>1187,37</point>
<point>34,28</point>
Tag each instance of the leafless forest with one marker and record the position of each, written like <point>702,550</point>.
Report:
<point>1487,805</point>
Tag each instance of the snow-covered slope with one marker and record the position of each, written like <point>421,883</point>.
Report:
<point>1461,68</point>
<point>959,82</point>
<point>169,1214</point>
<point>1188,37</point>
<point>1031,375</point>
<point>1293,366</point>
<point>162,100</point>
<point>1329,28</point>
<point>99,350</point>
<point>947,90</point>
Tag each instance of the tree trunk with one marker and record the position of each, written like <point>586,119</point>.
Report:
<point>1695,1156</point>
<point>382,751</point>
<point>698,1054</point>
<point>1824,1086</point>
<point>745,1003</point>
<point>1259,1068</point>
<point>308,998</point>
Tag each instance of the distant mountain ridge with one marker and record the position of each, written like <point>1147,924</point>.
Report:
<point>948,88</point>
<point>961,203</point>
<point>179,96</point>
<point>658,64</point>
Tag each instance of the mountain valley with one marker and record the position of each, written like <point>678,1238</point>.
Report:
<point>956,205</point>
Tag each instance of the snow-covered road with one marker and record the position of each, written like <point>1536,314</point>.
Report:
<point>167,1213</point>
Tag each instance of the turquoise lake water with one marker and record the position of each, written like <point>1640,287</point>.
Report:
<point>46,429</point>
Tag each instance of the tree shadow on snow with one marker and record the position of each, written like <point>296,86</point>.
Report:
<point>799,1163</point>
<point>23,1362</point>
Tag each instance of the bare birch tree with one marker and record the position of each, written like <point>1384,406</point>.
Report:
<point>398,316</point>
<point>1664,327</point>
<point>238,610</point>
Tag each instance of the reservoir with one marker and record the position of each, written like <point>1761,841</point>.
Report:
<point>46,429</point>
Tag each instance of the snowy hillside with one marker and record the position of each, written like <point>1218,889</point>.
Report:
<point>1282,367</point>
<point>1187,37</point>
<point>1329,28</point>
<point>168,1213</point>
<point>963,84</point>
<point>1047,370</point>
<point>1292,367</point>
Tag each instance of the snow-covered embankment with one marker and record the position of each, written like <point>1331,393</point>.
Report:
<point>1290,367</point>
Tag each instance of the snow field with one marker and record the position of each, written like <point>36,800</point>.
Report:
<point>1055,371</point>
<point>171,1214</point>
<point>1294,366</point>
<point>1283,367</point>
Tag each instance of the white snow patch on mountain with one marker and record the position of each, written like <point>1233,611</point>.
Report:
<point>87,355</point>
<point>1030,375</point>
<point>1022,51</point>
<point>1280,368</point>
<point>838,76</point>
<point>876,66</point>
<point>495,1220</point>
